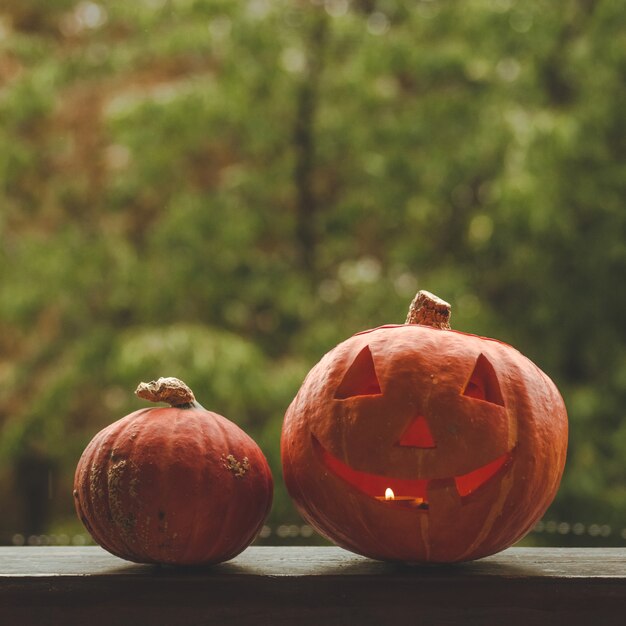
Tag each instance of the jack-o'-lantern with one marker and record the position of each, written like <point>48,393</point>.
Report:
<point>419,443</point>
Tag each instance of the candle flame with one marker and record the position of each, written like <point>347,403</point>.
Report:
<point>389,495</point>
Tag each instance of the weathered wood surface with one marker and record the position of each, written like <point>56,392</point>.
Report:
<point>317,586</point>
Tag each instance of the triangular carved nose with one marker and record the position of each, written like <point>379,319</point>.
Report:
<point>418,434</point>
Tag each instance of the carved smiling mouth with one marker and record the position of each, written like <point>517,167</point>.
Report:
<point>406,493</point>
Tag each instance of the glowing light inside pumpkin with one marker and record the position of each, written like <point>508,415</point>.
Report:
<point>389,495</point>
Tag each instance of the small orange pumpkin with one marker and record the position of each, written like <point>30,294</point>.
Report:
<point>177,484</point>
<point>418,443</point>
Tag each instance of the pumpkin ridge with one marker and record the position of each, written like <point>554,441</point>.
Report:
<point>226,524</point>
<point>257,459</point>
<point>192,503</point>
<point>91,493</point>
<point>98,483</point>
<point>114,475</point>
<point>200,484</point>
<point>253,531</point>
<point>169,437</point>
<point>138,422</point>
<point>85,480</point>
<point>487,527</point>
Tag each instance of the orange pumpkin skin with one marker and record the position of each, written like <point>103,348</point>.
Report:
<point>178,485</point>
<point>482,465</point>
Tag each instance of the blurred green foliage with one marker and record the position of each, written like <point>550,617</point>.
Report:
<point>222,191</point>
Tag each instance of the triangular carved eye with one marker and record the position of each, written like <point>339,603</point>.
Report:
<point>483,383</point>
<point>360,379</point>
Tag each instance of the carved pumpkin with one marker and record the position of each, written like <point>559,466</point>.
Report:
<point>418,443</point>
<point>177,484</point>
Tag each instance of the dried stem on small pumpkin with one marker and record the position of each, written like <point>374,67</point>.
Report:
<point>429,310</point>
<point>171,390</point>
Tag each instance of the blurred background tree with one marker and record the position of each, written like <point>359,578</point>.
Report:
<point>222,191</point>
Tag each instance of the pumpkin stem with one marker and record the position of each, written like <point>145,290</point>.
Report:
<point>429,310</point>
<point>170,390</point>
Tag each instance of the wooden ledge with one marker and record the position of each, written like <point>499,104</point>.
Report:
<point>317,586</point>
